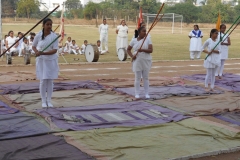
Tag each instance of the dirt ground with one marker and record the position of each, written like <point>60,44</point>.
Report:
<point>94,71</point>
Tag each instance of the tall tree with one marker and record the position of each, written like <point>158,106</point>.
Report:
<point>73,4</point>
<point>27,7</point>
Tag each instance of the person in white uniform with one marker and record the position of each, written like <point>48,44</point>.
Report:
<point>99,47</point>
<point>74,48</point>
<point>19,47</point>
<point>195,42</point>
<point>67,45</point>
<point>3,43</point>
<point>26,48</point>
<point>10,40</point>
<point>224,49</point>
<point>84,45</point>
<point>103,30</point>
<point>46,62</point>
<point>213,60</point>
<point>142,62</point>
<point>122,36</point>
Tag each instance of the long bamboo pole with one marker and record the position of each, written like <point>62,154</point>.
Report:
<point>29,31</point>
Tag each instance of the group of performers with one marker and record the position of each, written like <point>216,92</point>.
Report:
<point>47,61</point>
<point>214,63</point>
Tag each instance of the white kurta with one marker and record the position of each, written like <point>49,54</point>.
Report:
<point>67,47</point>
<point>143,62</point>
<point>195,41</point>
<point>46,65</point>
<point>213,60</point>
<point>83,48</point>
<point>11,41</point>
<point>224,48</point>
<point>122,37</point>
<point>103,30</point>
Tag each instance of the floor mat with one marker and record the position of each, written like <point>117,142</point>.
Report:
<point>159,92</point>
<point>21,125</point>
<point>34,87</point>
<point>109,115</point>
<point>190,138</point>
<point>202,105</point>
<point>46,147</point>
<point>229,81</point>
<point>231,117</point>
<point>154,81</point>
<point>82,97</point>
<point>5,109</point>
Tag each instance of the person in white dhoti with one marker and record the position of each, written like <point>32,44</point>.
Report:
<point>100,48</point>
<point>122,36</point>
<point>19,47</point>
<point>67,45</point>
<point>46,62</point>
<point>74,48</point>
<point>84,45</point>
<point>25,46</point>
<point>103,30</point>
<point>224,49</point>
<point>3,43</point>
<point>195,42</point>
<point>142,62</point>
<point>10,40</point>
<point>213,60</point>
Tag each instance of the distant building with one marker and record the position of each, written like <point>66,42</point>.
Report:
<point>49,5</point>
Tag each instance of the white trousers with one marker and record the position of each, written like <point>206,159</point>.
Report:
<point>75,51</point>
<point>219,70</point>
<point>104,40</point>
<point>144,75</point>
<point>195,53</point>
<point>46,86</point>
<point>210,76</point>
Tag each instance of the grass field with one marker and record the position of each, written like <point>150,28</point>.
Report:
<point>167,46</point>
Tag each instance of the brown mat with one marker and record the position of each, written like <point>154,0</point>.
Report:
<point>16,76</point>
<point>155,81</point>
<point>82,97</point>
<point>202,105</point>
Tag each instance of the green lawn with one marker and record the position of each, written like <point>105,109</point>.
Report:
<point>166,46</point>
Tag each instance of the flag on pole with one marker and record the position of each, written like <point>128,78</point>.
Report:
<point>140,17</point>
<point>218,22</point>
<point>61,32</point>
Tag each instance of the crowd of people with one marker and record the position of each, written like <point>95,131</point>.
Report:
<point>47,61</point>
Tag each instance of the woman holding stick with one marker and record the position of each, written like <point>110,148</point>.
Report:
<point>142,62</point>
<point>47,61</point>
<point>224,49</point>
<point>213,60</point>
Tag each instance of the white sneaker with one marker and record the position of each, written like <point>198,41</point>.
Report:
<point>137,96</point>
<point>44,105</point>
<point>50,104</point>
<point>147,96</point>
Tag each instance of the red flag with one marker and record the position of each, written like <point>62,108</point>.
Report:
<point>140,17</point>
<point>61,32</point>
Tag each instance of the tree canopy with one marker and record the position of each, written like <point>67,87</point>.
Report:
<point>27,7</point>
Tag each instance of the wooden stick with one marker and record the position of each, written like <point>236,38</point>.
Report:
<point>56,28</point>
<point>51,43</point>
<point>231,31</point>
<point>153,24</point>
<point>29,31</point>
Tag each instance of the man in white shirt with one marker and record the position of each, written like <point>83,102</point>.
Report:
<point>103,30</point>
